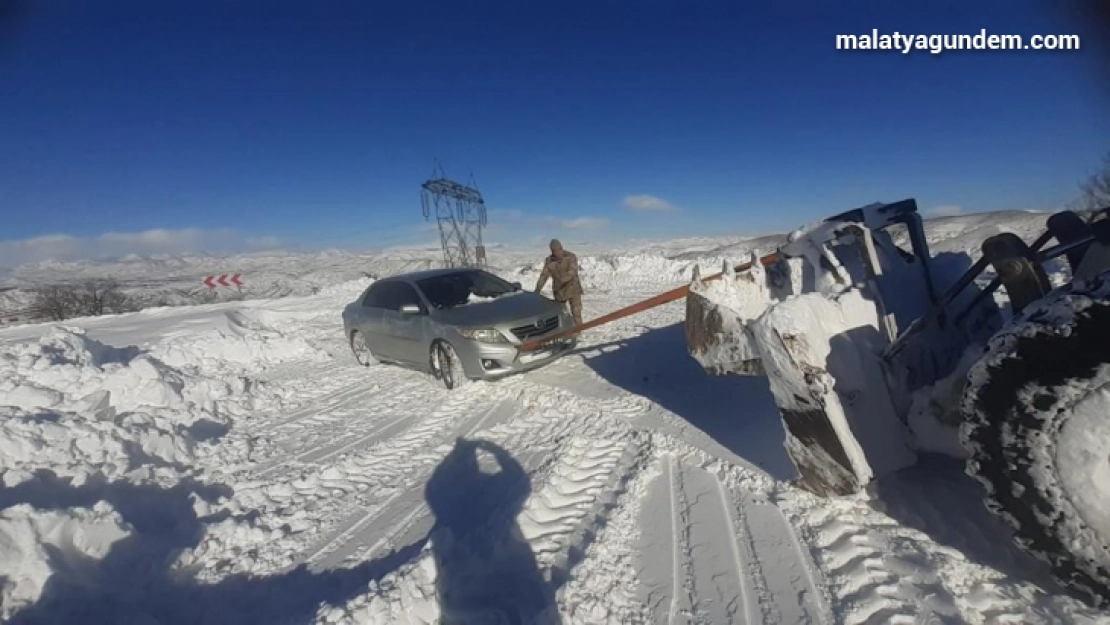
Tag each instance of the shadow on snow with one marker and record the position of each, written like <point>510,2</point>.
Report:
<point>738,412</point>
<point>485,566</point>
<point>937,498</point>
<point>134,583</point>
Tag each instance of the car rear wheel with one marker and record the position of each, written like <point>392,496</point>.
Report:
<point>361,350</point>
<point>446,366</point>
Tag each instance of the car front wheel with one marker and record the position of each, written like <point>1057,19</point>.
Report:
<point>361,350</point>
<point>446,366</point>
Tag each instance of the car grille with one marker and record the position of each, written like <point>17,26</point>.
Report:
<point>539,328</point>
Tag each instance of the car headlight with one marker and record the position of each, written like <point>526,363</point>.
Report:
<point>485,335</point>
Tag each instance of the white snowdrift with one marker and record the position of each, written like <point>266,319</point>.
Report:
<point>74,406</point>
<point>88,413</point>
<point>236,339</point>
<point>77,539</point>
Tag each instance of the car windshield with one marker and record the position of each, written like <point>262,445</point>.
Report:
<point>464,287</point>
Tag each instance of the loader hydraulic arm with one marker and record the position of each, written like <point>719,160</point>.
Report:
<point>658,300</point>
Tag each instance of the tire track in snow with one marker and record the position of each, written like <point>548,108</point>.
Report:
<point>711,580</point>
<point>718,584</point>
<point>311,383</point>
<point>406,515</point>
<point>536,442</point>
<point>319,453</point>
<point>876,581</point>
<point>357,428</point>
<point>391,518</point>
<point>789,590</point>
<point>324,405</point>
<point>326,500</point>
<point>414,467</point>
<point>721,556</point>
<point>930,517</point>
<point>661,549</point>
<point>331,402</point>
<point>559,520</point>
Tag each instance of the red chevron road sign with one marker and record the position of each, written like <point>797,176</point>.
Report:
<point>222,280</point>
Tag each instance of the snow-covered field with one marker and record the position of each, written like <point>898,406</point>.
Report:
<point>231,463</point>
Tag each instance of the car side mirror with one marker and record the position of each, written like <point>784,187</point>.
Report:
<point>517,286</point>
<point>410,309</point>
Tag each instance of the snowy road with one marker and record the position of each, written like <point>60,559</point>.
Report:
<point>617,485</point>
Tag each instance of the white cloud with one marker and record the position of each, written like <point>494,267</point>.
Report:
<point>517,221</point>
<point>577,223</point>
<point>647,203</point>
<point>118,244</point>
<point>944,210</point>
<point>585,223</point>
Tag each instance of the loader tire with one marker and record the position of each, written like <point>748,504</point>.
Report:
<point>1037,426</point>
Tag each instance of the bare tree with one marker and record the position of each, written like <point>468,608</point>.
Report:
<point>56,302</point>
<point>205,296</point>
<point>116,301</point>
<point>93,298</point>
<point>1095,191</point>
<point>96,297</point>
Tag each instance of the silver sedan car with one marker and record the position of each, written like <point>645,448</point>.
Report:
<point>456,324</point>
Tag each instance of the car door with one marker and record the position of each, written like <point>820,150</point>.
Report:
<point>368,317</point>
<point>405,331</point>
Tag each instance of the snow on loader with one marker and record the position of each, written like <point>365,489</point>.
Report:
<point>875,350</point>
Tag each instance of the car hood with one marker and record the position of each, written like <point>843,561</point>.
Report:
<point>506,308</point>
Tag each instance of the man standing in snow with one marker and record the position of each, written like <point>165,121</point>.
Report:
<point>562,268</point>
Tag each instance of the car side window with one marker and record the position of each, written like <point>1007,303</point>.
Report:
<point>405,294</point>
<point>376,296</point>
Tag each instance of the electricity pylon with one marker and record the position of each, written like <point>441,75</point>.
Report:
<point>460,212</point>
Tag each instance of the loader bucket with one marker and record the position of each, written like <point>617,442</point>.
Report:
<point>718,312</point>
<point>818,351</point>
<point>839,417</point>
<point>717,338</point>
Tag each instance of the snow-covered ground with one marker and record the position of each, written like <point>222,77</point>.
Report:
<point>231,463</point>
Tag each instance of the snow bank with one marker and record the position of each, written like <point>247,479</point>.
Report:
<point>78,416</point>
<point>237,339</point>
<point>74,406</point>
<point>966,233</point>
<point>76,447</point>
<point>35,545</point>
<point>346,290</point>
<point>615,272</point>
<point>606,272</point>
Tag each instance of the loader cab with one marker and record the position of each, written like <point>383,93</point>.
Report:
<point>884,219</point>
<point>861,248</point>
<point>912,291</point>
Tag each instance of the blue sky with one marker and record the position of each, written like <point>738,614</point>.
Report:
<point>238,125</point>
